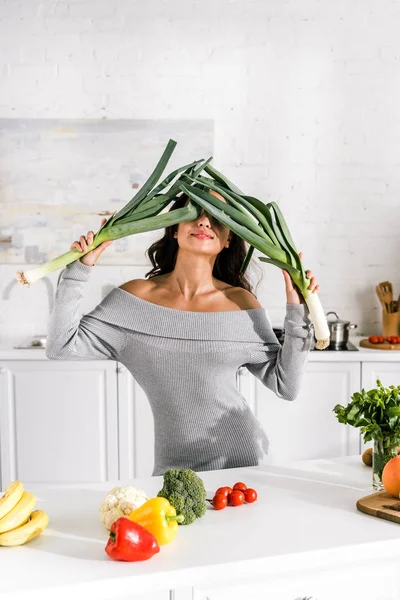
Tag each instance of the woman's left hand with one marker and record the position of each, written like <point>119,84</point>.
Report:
<point>292,295</point>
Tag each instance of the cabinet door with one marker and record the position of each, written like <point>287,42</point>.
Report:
<point>307,428</point>
<point>136,428</point>
<point>58,421</point>
<point>387,372</point>
<point>374,581</point>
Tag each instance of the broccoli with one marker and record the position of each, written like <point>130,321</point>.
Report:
<point>184,489</point>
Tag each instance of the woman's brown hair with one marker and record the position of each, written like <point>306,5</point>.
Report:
<point>163,253</point>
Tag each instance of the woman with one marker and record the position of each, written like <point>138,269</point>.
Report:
<point>183,333</point>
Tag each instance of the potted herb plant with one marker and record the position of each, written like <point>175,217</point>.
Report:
<point>377,413</point>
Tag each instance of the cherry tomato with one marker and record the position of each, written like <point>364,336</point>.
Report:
<point>228,489</point>
<point>381,339</point>
<point>389,339</point>
<point>222,490</point>
<point>219,501</point>
<point>240,486</point>
<point>236,498</point>
<point>373,339</point>
<point>250,495</point>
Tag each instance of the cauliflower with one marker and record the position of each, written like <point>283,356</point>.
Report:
<point>120,502</point>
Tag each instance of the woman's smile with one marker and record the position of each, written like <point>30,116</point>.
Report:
<point>202,235</point>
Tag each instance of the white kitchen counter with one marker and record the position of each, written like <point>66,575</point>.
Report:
<point>8,352</point>
<point>305,518</point>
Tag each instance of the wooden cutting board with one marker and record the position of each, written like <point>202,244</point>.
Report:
<point>382,505</point>
<point>383,346</point>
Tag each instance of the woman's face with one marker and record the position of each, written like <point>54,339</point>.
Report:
<point>205,234</point>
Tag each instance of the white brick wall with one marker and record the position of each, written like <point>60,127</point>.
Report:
<point>304,97</point>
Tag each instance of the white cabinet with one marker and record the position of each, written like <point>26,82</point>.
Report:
<point>308,428</point>
<point>375,580</point>
<point>58,421</point>
<point>135,428</point>
<point>80,421</point>
<point>387,372</point>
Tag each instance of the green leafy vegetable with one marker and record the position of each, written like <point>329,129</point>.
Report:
<point>261,225</point>
<point>376,413</point>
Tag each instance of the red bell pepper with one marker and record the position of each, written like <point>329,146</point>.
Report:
<point>130,541</point>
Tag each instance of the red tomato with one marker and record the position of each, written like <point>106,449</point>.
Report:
<point>373,339</point>
<point>250,495</point>
<point>236,498</point>
<point>389,339</point>
<point>222,490</point>
<point>219,501</point>
<point>240,486</point>
<point>381,339</point>
<point>228,489</point>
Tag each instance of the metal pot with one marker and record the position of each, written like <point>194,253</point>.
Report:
<point>339,330</point>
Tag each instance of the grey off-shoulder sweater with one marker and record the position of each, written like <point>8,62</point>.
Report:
<point>186,363</point>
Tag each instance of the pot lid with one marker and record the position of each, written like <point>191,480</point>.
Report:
<point>337,320</point>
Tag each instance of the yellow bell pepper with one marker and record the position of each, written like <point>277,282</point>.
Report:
<point>159,517</point>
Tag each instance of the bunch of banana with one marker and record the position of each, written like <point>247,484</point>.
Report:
<point>19,523</point>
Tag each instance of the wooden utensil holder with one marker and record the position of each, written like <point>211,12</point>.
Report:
<point>390,323</point>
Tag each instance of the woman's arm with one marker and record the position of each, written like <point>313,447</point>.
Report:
<point>71,337</point>
<point>281,368</point>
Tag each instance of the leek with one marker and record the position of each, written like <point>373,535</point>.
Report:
<point>261,225</point>
<point>139,215</point>
<point>282,253</point>
<point>188,213</point>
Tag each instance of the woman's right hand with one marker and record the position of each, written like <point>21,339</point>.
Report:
<point>91,257</point>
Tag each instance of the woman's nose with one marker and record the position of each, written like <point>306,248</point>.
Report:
<point>203,219</point>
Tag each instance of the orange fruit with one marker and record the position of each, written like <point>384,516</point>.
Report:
<point>391,476</point>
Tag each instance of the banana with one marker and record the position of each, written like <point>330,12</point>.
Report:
<point>36,524</point>
<point>19,513</point>
<point>11,496</point>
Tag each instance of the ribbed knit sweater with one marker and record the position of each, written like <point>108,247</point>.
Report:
<point>186,363</point>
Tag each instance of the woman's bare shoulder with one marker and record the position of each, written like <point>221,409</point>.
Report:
<point>243,298</point>
<point>137,287</point>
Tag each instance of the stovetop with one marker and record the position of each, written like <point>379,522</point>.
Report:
<point>348,347</point>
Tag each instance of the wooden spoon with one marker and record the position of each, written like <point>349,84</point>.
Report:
<point>381,297</point>
<point>387,294</point>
